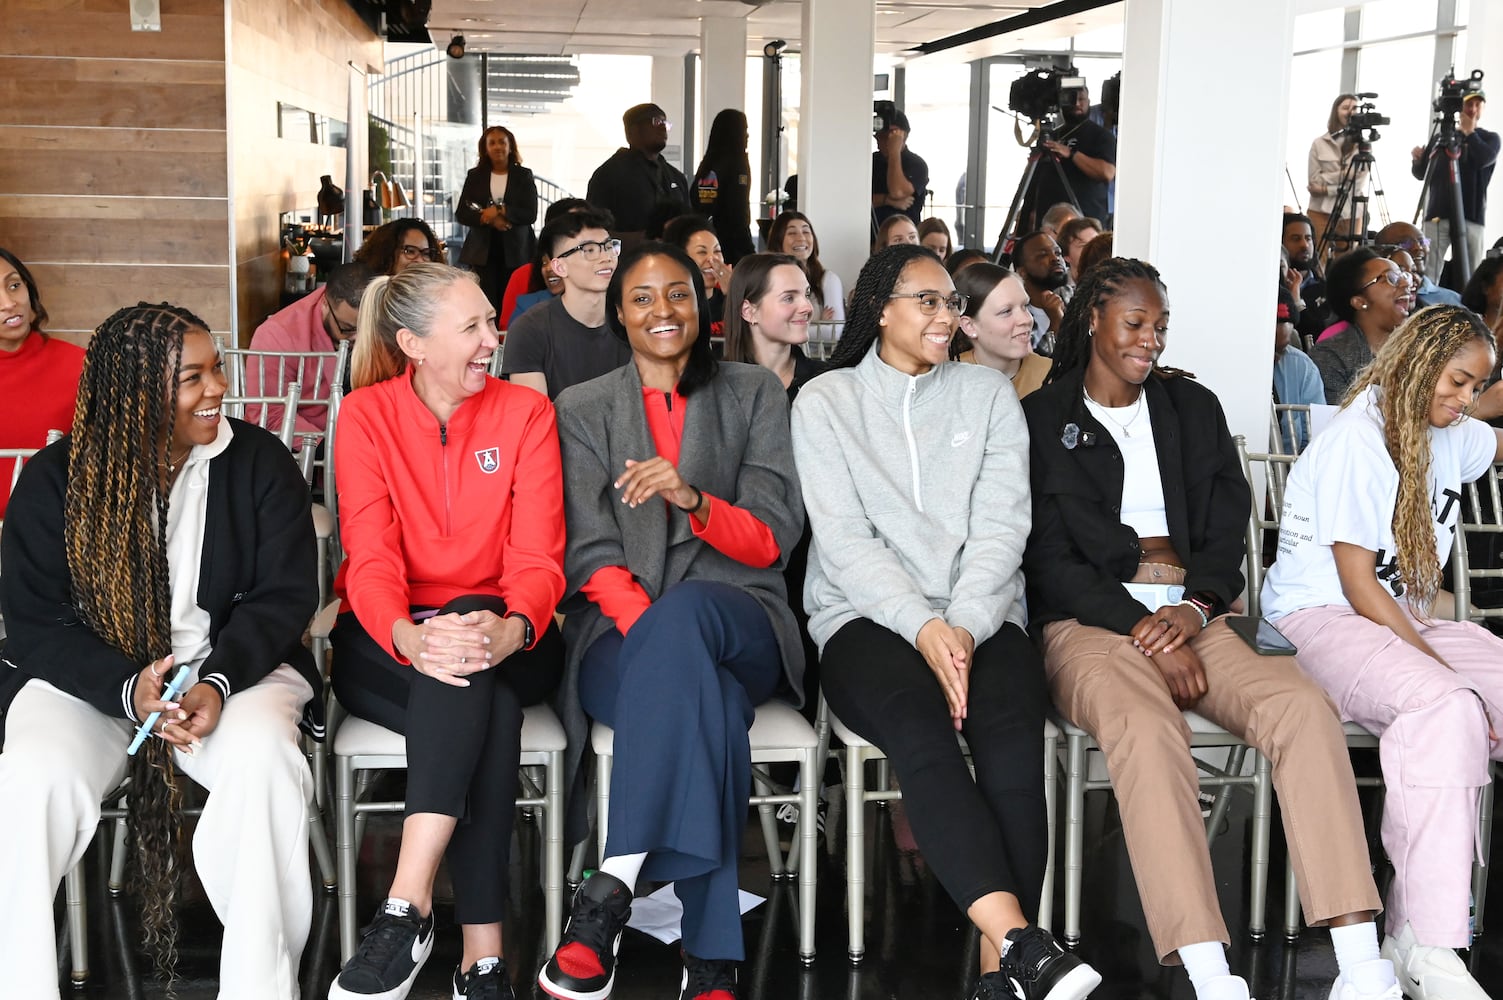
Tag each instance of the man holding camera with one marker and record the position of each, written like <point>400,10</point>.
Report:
<point>1478,156</point>
<point>900,177</point>
<point>1087,154</point>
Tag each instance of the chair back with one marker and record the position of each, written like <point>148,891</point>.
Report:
<point>1291,428</point>
<point>260,378</point>
<point>1480,526</point>
<point>823,336</point>
<point>1272,471</point>
<point>273,413</point>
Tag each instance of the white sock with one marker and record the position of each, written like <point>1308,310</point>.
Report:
<point>1204,961</point>
<point>625,867</point>
<point>1357,957</point>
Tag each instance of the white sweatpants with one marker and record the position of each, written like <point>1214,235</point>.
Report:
<point>250,849</point>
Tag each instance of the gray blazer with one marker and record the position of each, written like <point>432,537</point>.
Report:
<point>737,447</point>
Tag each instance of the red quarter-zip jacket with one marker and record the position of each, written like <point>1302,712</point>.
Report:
<point>428,512</point>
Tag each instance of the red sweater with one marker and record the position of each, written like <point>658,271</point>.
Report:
<point>38,387</point>
<point>428,512</point>
<point>732,530</point>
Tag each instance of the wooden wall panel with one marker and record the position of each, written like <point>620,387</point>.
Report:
<point>80,296</point>
<point>191,29</point>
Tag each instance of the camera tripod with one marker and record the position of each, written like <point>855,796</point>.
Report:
<point>1348,223</point>
<point>1445,144</point>
<point>1027,193</point>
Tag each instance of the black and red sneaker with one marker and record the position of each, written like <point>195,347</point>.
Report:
<point>583,967</point>
<point>708,979</point>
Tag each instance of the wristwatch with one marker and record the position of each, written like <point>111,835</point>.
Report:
<point>528,636</point>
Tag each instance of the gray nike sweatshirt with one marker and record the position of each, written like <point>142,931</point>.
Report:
<point>918,498</point>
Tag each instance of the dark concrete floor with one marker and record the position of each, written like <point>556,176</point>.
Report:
<point>918,944</point>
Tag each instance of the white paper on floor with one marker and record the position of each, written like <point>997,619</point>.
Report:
<point>661,915</point>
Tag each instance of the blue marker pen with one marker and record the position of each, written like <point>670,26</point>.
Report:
<point>168,693</point>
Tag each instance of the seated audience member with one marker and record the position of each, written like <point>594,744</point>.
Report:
<point>996,328</point>
<point>1369,512</point>
<point>38,373</point>
<point>1296,380</point>
<point>682,503</point>
<point>315,322</point>
<point>160,537</point>
<point>964,258</point>
<point>1139,516</point>
<point>1483,294</point>
<point>1406,264</point>
<point>553,285</point>
<point>1093,253</point>
<point>895,229</point>
<point>1307,279</point>
<point>792,233</point>
<point>918,609</point>
<point>536,276</point>
<point>1073,238</point>
<point>934,234</point>
<point>446,629</point>
<point>695,235</point>
<point>1404,236</point>
<point>1369,295</point>
<point>1039,261</point>
<point>565,341</point>
<point>399,244</point>
<point>1055,218</point>
<point>767,318</point>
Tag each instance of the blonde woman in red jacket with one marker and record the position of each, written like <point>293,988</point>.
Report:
<point>451,511</point>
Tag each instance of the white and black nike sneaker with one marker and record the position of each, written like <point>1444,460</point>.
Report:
<point>1036,968</point>
<point>394,948</point>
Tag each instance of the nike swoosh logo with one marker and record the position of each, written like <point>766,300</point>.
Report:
<point>960,438</point>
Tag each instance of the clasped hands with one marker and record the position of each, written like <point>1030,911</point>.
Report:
<point>948,650</point>
<point>495,216</point>
<point>656,476</point>
<point>1165,635</point>
<point>185,722</point>
<point>450,647</point>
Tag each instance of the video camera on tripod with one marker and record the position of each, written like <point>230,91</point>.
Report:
<point>1443,152</point>
<point>1453,94</point>
<point>1363,124</point>
<point>1041,95</point>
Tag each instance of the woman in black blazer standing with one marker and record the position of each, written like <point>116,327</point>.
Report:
<point>499,203</point>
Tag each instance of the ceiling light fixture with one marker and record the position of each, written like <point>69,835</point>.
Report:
<point>456,47</point>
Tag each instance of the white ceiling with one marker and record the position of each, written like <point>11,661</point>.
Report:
<point>671,27</point>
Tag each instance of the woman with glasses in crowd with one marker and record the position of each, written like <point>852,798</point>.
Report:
<point>1370,296</point>
<point>792,233</point>
<point>1370,512</point>
<point>682,504</point>
<point>914,473</point>
<point>1134,560</point>
<point>398,245</point>
<point>499,202</point>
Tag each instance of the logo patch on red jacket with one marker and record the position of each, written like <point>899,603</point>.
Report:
<point>489,459</point>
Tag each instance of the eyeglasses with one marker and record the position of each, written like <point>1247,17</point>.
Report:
<point>929,302</point>
<point>1394,278</point>
<point>345,329</point>
<point>416,252</point>
<point>593,250</point>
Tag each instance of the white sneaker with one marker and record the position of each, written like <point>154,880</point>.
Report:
<point>1377,971</point>
<point>1224,988</point>
<point>1427,973</point>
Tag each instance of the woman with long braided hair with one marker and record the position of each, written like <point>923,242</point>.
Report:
<point>1135,558</point>
<point>1369,515</point>
<point>915,476</point>
<point>160,535</point>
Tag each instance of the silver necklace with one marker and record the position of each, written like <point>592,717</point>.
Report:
<point>1106,412</point>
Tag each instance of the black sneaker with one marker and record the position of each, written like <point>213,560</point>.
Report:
<point>583,967</point>
<point>486,980</point>
<point>708,979</point>
<point>1036,968</point>
<point>394,948</point>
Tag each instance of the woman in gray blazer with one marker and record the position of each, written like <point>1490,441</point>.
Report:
<point>682,503</point>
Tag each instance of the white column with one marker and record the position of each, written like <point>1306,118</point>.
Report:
<point>1484,51</point>
<point>722,70</point>
<point>1188,197</point>
<point>668,94</point>
<point>835,130</point>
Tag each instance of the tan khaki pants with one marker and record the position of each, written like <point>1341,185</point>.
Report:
<point>1106,686</point>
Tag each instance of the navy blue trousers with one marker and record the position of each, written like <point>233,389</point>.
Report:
<point>680,692</point>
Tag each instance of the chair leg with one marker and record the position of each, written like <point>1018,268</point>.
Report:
<point>1257,920</point>
<point>1051,796</point>
<point>347,847</point>
<point>1484,840</point>
<point>320,844</point>
<point>1234,758</point>
<point>765,813</point>
<point>808,835</point>
<point>553,852</point>
<point>1291,903</point>
<point>1074,835</point>
<point>602,802</point>
<point>855,853</point>
<point>78,924</point>
<point>117,859</point>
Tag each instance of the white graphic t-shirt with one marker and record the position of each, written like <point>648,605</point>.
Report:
<point>1343,489</point>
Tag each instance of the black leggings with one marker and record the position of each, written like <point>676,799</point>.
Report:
<point>463,743</point>
<point>981,836</point>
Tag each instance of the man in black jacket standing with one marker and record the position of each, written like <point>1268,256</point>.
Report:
<point>640,188</point>
<point>1479,155</point>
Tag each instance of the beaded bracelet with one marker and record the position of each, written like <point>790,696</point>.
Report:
<point>1204,621</point>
